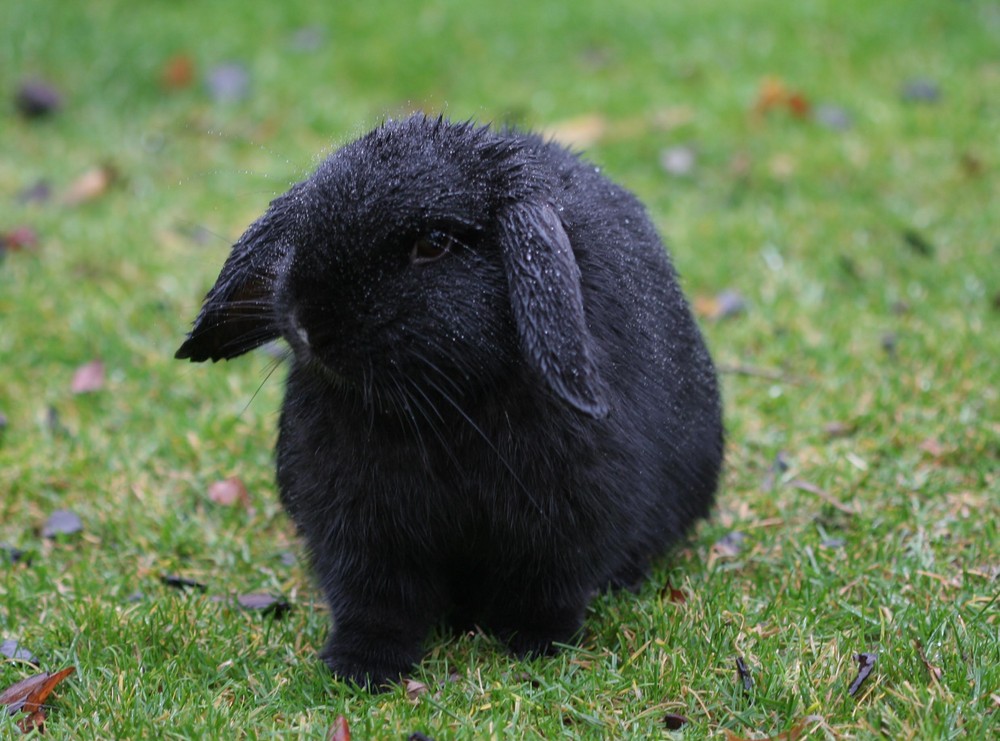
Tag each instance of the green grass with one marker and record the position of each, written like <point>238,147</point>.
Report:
<point>807,223</point>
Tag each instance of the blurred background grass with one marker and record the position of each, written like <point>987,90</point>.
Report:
<point>842,187</point>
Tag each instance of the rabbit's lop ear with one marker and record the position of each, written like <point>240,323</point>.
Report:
<point>547,303</point>
<point>238,313</point>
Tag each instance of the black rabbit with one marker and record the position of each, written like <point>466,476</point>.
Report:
<point>498,402</point>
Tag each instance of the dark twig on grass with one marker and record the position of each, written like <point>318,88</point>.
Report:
<point>824,495</point>
<point>744,674</point>
<point>770,374</point>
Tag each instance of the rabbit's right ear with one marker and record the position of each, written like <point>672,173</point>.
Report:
<point>238,313</point>
<point>544,284</point>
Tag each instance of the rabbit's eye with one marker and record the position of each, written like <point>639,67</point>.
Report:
<point>431,247</point>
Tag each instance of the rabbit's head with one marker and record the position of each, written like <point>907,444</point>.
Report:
<point>424,258</point>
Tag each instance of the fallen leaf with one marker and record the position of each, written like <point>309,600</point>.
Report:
<point>833,117</point>
<point>17,239</point>
<point>340,730</point>
<point>88,378</point>
<point>38,192</point>
<point>30,694</point>
<point>53,423</point>
<point>672,594</point>
<point>730,544</point>
<point>37,98</point>
<point>779,466</point>
<point>228,83</point>
<point>229,492</point>
<point>774,94</point>
<point>62,522</point>
<point>838,429</point>
<point>266,604</point>
<point>920,91</point>
<point>678,161</point>
<point>12,650</point>
<point>91,185</point>
<point>11,554</point>
<point>674,721</point>
<point>866,663</point>
<point>725,304</point>
<point>743,673</point>
<point>582,132</point>
<point>933,447</point>
<point>972,165</point>
<point>308,39</point>
<point>782,166</point>
<point>414,688</point>
<point>798,105</point>
<point>177,73</point>
<point>181,582</point>
<point>793,734</point>
<point>33,722</point>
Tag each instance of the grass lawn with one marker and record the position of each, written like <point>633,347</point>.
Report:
<point>831,168</point>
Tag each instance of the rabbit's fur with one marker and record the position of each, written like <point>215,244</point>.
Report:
<point>498,401</point>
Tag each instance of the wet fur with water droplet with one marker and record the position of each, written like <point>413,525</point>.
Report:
<point>498,402</point>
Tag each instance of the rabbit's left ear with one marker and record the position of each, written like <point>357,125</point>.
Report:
<point>547,303</point>
<point>238,313</point>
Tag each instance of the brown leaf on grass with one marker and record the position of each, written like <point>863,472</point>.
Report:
<point>824,495</point>
<point>177,72</point>
<point>18,239</point>
<point>88,377</point>
<point>91,185</point>
<point>866,663</point>
<point>673,594</point>
<point>229,492</point>
<point>675,721</point>
<point>792,734</point>
<point>774,94</point>
<point>725,304</point>
<point>971,164</point>
<point>838,429</point>
<point>414,689</point>
<point>582,131</point>
<point>798,105</point>
<point>340,731</point>
<point>29,695</point>
<point>933,447</point>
